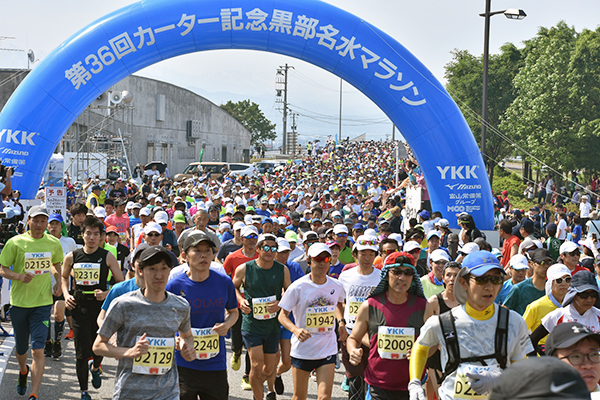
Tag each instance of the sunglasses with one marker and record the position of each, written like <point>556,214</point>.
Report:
<point>238,219</point>
<point>322,259</point>
<point>153,234</point>
<point>388,252</point>
<point>574,253</point>
<point>341,234</point>
<point>251,236</point>
<point>366,242</point>
<point>272,249</point>
<point>484,280</point>
<point>585,295</point>
<point>414,251</point>
<point>405,272</point>
<point>560,280</point>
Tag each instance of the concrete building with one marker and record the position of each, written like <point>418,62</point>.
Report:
<point>161,122</point>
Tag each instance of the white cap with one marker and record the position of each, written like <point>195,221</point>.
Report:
<point>529,242</point>
<point>249,229</point>
<point>410,246</point>
<point>248,219</point>
<point>568,247</point>
<point>397,237</point>
<point>161,217</point>
<point>151,196</point>
<point>589,243</point>
<point>557,271</point>
<point>340,228</point>
<point>238,225</point>
<point>433,233</point>
<point>282,221</point>
<point>365,242</point>
<point>229,209</point>
<point>272,201</point>
<point>519,261</point>
<point>371,232</point>
<point>152,227</point>
<point>443,223</point>
<point>282,245</point>
<point>318,248</point>
<point>145,212</point>
<point>438,255</point>
<point>336,214</point>
<point>100,212</point>
<point>469,248</point>
<point>225,225</point>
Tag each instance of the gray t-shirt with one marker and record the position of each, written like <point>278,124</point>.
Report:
<point>131,315</point>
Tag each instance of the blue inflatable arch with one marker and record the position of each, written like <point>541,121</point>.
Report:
<point>48,101</point>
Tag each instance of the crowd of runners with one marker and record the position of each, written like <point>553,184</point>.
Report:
<point>313,267</point>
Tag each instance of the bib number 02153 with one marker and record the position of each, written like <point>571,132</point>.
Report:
<point>259,307</point>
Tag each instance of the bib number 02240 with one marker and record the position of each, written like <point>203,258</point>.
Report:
<point>158,360</point>
<point>206,343</point>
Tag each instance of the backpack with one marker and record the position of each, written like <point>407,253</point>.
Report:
<point>453,349</point>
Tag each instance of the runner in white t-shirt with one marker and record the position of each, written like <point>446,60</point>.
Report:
<point>313,299</point>
<point>358,283</point>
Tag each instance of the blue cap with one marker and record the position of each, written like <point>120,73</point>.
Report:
<point>55,217</point>
<point>264,221</point>
<point>424,214</point>
<point>480,262</point>
<point>358,226</point>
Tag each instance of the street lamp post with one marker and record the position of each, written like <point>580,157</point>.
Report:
<point>511,13</point>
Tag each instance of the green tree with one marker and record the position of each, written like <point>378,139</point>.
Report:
<point>465,78</point>
<point>249,114</point>
<point>555,114</point>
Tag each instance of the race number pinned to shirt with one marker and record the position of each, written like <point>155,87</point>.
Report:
<point>38,263</point>
<point>206,343</point>
<point>87,274</point>
<point>123,236</point>
<point>320,319</point>
<point>259,308</point>
<point>462,388</point>
<point>158,360</point>
<point>394,343</point>
<point>353,305</point>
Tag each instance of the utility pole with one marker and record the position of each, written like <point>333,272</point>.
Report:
<point>283,72</point>
<point>294,138</point>
<point>340,122</point>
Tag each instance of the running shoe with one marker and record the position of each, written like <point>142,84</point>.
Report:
<point>96,378</point>
<point>56,350</point>
<point>313,375</point>
<point>22,383</point>
<point>48,348</point>
<point>279,388</point>
<point>236,361</point>
<point>337,361</point>
<point>345,385</point>
<point>70,335</point>
<point>33,396</point>
<point>246,383</point>
<point>85,396</point>
<point>271,396</point>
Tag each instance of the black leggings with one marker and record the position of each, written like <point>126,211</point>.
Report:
<point>237,345</point>
<point>84,317</point>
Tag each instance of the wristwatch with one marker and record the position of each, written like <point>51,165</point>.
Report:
<point>342,320</point>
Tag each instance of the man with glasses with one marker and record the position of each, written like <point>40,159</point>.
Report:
<point>386,247</point>
<point>358,283</point>
<point>249,236</point>
<point>477,364</point>
<point>233,244</point>
<point>414,249</point>
<point>531,289</point>
<point>519,265</point>
<point>578,346</point>
<point>309,238</point>
<point>153,237</point>
<point>569,254</point>
<point>392,317</point>
<point>433,282</point>
<point>264,280</point>
<point>340,235</point>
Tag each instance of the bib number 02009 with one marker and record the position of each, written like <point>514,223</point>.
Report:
<point>394,343</point>
<point>158,360</point>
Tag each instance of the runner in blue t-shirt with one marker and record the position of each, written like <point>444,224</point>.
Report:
<point>214,310</point>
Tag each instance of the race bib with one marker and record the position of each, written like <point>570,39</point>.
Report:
<point>158,360</point>
<point>320,319</point>
<point>394,343</point>
<point>354,304</point>
<point>462,388</point>
<point>206,343</point>
<point>259,308</point>
<point>123,236</point>
<point>38,263</point>
<point>87,274</point>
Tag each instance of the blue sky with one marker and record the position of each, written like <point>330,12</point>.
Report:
<point>429,29</point>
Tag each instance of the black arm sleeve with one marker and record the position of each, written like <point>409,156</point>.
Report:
<point>535,337</point>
